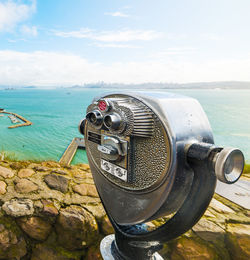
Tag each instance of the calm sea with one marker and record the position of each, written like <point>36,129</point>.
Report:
<point>55,115</point>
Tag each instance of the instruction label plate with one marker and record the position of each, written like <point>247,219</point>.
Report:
<point>115,170</point>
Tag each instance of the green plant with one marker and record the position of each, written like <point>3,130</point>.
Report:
<point>246,168</point>
<point>10,156</point>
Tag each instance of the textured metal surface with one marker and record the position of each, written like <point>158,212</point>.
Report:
<point>149,149</point>
<point>140,120</point>
<point>150,158</point>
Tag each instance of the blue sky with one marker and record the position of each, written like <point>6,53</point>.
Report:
<point>63,42</point>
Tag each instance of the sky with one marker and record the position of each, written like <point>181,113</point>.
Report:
<point>63,43</point>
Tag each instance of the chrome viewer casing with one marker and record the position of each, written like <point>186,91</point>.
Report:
<point>178,121</point>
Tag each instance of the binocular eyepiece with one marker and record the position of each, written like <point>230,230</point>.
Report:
<point>95,118</point>
<point>111,121</point>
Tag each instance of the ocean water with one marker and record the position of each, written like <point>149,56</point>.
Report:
<point>55,115</point>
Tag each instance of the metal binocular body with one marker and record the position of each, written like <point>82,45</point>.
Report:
<point>153,155</point>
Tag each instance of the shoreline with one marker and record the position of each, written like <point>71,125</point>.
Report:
<point>11,156</point>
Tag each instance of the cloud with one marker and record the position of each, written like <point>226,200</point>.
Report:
<point>211,37</point>
<point>16,40</point>
<point>82,33</point>
<point>11,40</point>
<point>111,36</point>
<point>127,7</point>
<point>29,30</point>
<point>46,69</point>
<point>115,45</point>
<point>12,13</point>
<point>176,51</point>
<point>118,14</point>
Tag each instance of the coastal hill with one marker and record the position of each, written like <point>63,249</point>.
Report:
<point>50,211</point>
<point>150,85</point>
<point>194,85</point>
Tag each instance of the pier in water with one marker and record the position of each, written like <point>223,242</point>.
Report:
<point>13,117</point>
<point>70,151</point>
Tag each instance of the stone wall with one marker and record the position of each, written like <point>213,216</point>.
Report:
<point>49,211</point>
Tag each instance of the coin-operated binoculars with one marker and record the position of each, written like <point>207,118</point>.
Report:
<point>153,155</point>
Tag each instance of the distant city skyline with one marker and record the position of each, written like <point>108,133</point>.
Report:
<point>63,43</point>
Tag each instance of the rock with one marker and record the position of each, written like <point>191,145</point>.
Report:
<point>209,214</point>
<point>80,189</point>
<point>94,253</point>
<point>219,207</point>
<point>76,228</point>
<point>33,165</point>
<point>188,248</point>
<point>238,218</point>
<point>83,166</point>
<point>24,173</point>
<point>2,227</point>
<point>4,163</point>
<point>25,186</point>
<point>45,252</point>
<point>75,199</point>
<point>57,182</point>
<point>51,164</point>
<point>7,238</point>
<point>41,168</point>
<point>35,227</point>
<point>238,240</point>
<point>18,207</point>
<point>208,231</point>
<point>3,186</point>
<point>68,167</point>
<point>106,226</point>
<point>6,173</point>
<point>89,181</point>
<point>17,165</point>
<point>88,175</point>
<point>86,189</point>
<point>79,177</point>
<point>59,172</point>
<point>91,190</point>
<point>97,211</point>
<point>11,246</point>
<point>38,206</point>
<point>49,208</point>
